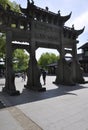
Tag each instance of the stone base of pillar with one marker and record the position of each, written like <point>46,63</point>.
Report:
<point>33,80</point>
<point>11,92</point>
<point>66,83</point>
<point>10,84</point>
<point>35,88</point>
<point>64,75</point>
<point>42,89</point>
<point>79,74</point>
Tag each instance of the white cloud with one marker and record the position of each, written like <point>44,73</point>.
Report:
<point>80,21</point>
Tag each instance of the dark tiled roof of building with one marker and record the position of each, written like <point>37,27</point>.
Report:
<point>52,64</point>
<point>84,46</point>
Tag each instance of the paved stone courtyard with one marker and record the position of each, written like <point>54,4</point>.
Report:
<point>59,108</point>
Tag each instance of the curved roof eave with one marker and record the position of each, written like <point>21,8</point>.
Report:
<point>65,18</point>
<point>62,18</point>
<point>23,10</point>
<point>78,32</point>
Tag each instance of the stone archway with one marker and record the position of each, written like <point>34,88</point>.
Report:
<point>40,28</point>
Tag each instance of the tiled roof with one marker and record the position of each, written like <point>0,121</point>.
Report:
<point>84,46</point>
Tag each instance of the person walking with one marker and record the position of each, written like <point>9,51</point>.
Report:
<point>44,76</point>
<point>23,76</point>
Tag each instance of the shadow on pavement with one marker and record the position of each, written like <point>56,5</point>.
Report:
<point>28,96</point>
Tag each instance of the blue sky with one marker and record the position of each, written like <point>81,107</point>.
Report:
<point>79,17</point>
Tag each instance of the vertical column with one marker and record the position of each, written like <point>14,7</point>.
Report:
<point>76,69</point>
<point>34,72</point>
<point>74,61</point>
<point>59,74</point>
<point>63,68</point>
<point>10,76</point>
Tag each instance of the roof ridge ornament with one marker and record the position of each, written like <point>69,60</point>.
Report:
<point>28,3</point>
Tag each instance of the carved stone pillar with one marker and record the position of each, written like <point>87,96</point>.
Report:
<point>76,69</point>
<point>63,75</point>
<point>10,76</point>
<point>74,61</point>
<point>59,72</point>
<point>34,73</point>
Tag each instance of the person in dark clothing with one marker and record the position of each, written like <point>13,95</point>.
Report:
<point>44,76</point>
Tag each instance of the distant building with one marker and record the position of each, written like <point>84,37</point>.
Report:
<point>83,57</point>
<point>52,68</point>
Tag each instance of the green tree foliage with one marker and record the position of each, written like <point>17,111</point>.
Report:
<point>20,59</point>
<point>4,3</point>
<point>46,59</point>
<point>13,5</point>
<point>2,46</point>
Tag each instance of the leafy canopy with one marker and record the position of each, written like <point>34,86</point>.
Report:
<point>2,46</point>
<point>46,59</point>
<point>20,59</point>
<point>13,5</point>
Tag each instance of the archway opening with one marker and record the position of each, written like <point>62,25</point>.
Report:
<point>20,64</point>
<point>47,59</point>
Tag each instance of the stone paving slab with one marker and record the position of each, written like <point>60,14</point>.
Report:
<point>66,112</point>
<point>7,122</point>
<point>59,108</point>
<point>14,119</point>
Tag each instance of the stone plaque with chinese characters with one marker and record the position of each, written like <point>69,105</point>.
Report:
<point>46,33</point>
